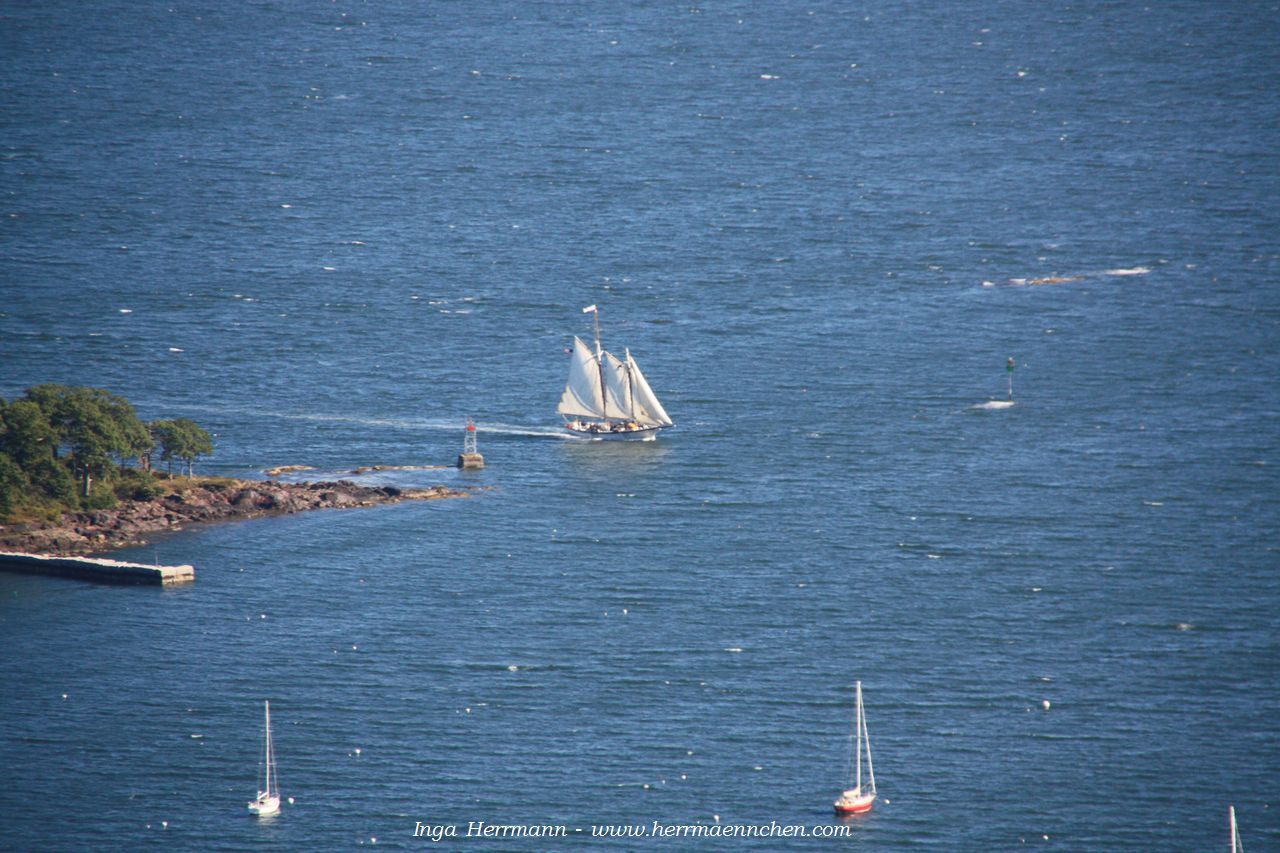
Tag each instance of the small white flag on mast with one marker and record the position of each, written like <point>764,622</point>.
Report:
<point>590,309</point>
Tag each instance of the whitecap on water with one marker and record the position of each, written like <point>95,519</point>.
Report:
<point>1128,271</point>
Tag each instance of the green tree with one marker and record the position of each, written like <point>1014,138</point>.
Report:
<point>14,487</point>
<point>96,425</point>
<point>181,438</point>
<point>26,435</point>
<point>59,439</point>
<point>53,480</point>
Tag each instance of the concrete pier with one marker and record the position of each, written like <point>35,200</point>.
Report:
<point>95,569</point>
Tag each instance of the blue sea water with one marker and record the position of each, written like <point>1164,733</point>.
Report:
<point>330,232</point>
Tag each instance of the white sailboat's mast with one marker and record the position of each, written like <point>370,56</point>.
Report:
<point>866,736</point>
<point>857,725</point>
<point>267,703</point>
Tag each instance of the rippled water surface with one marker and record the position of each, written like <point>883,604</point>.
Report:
<point>331,232</point>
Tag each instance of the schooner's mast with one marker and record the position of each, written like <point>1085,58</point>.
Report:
<point>604,388</point>
<point>631,389</point>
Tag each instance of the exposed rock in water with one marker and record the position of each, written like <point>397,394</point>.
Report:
<point>286,469</point>
<point>129,523</point>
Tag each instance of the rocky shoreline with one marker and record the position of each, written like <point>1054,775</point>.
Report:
<point>129,523</point>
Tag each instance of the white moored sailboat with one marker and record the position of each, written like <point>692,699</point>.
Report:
<point>857,799</point>
<point>607,398</point>
<point>268,801</point>
<point>1236,845</point>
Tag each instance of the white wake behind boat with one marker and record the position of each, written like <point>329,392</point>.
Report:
<point>607,398</point>
<point>857,799</point>
<point>268,801</point>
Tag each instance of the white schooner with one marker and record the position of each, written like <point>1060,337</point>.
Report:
<point>608,398</point>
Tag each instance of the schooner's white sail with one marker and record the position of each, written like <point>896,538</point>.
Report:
<point>617,387</point>
<point>582,397</point>
<point>612,394</point>
<point>647,410</point>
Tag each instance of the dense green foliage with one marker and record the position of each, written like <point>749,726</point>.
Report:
<point>67,448</point>
<point>181,439</point>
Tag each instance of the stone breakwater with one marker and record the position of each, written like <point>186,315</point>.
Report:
<point>129,523</point>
